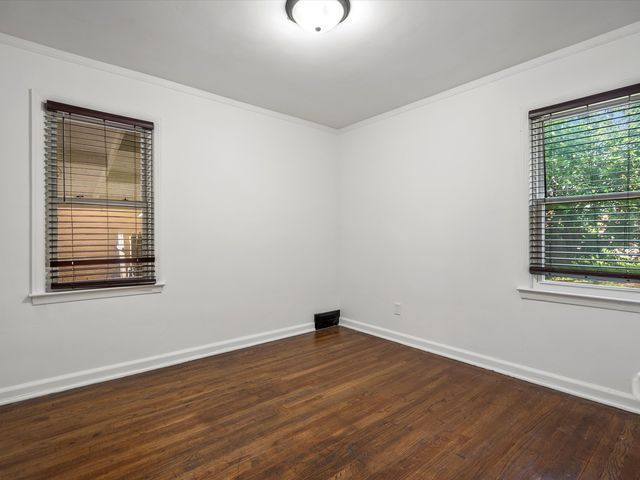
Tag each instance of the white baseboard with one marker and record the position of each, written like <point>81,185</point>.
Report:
<point>24,391</point>
<point>597,393</point>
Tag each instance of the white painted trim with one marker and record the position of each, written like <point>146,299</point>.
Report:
<point>590,391</point>
<point>618,291</point>
<point>584,300</point>
<point>603,39</point>
<point>161,82</point>
<point>95,293</point>
<point>24,391</point>
<point>38,194</point>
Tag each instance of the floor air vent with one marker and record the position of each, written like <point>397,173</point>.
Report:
<point>327,319</point>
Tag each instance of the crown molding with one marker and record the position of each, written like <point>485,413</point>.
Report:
<point>569,51</point>
<point>577,48</point>
<point>44,50</point>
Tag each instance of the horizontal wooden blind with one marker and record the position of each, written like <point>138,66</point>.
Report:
<point>99,184</point>
<point>585,187</point>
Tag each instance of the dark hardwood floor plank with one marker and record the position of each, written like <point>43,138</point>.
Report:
<point>334,404</point>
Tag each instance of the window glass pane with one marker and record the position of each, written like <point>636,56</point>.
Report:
<point>100,229</point>
<point>593,152</point>
<point>95,232</point>
<point>600,234</point>
<point>99,162</point>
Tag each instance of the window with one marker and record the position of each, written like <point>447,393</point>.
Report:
<point>99,199</point>
<point>585,189</point>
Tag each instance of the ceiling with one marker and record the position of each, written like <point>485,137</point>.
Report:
<point>386,54</point>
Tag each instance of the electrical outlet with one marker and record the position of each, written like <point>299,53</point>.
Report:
<point>635,385</point>
<point>397,309</point>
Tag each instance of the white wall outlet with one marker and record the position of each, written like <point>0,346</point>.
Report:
<point>635,385</point>
<point>397,309</point>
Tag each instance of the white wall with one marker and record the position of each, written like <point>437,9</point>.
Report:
<point>247,214</point>
<point>433,214</point>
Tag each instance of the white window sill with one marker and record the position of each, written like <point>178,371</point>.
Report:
<point>584,296</point>
<point>77,295</point>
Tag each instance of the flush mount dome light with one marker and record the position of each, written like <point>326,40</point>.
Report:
<point>317,16</point>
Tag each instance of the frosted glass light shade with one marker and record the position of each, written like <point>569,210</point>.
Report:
<point>317,16</point>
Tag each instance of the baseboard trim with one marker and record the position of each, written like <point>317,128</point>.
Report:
<point>597,393</point>
<point>38,388</point>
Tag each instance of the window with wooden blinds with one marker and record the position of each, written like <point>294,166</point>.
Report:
<point>99,194</point>
<point>585,188</point>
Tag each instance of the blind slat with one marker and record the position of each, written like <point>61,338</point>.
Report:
<point>99,199</point>
<point>584,203</point>
<point>91,284</point>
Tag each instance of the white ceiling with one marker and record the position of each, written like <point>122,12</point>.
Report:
<point>386,54</point>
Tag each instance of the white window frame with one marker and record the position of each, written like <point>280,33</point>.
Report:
<point>38,289</point>
<point>583,294</point>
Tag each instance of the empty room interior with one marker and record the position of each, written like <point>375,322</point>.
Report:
<point>320,239</point>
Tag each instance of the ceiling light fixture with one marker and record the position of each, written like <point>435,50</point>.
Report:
<point>317,16</point>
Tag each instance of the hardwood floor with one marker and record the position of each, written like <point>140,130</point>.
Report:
<point>337,404</point>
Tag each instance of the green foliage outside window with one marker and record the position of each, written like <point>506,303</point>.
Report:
<point>593,153</point>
